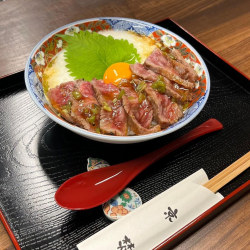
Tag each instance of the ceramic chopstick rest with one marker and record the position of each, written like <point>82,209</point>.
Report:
<point>157,219</point>
<point>96,163</point>
<point>123,203</point>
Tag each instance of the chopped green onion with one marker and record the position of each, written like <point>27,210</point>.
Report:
<point>106,107</point>
<point>65,111</point>
<point>159,85</point>
<point>141,86</point>
<point>97,130</point>
<point>185,106</point>
<point>86,111</point>
<point>77,95</point>
<point>122,92</point>
<point>67,107</point>
<point>95,111</point>
<point>141,98</point>
<point>91,120</point>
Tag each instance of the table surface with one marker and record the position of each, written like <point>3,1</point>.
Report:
<point>223,25</point>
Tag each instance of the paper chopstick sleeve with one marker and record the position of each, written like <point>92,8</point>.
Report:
<point>157,219</point>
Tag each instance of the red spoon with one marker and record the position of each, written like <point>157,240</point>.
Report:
<point>93,188</point>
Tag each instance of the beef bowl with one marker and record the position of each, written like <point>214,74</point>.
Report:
<point>117,80</point>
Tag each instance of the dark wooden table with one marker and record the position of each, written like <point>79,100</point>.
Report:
<point>223,25</point>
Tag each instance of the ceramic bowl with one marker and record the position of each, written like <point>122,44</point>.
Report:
<point>50,45</point>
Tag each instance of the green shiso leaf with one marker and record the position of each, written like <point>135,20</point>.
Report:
<point>88,55</point>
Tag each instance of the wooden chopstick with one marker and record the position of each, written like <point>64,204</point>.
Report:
<point>229,173</point>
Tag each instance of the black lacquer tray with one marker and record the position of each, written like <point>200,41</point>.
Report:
<point>38,155</point>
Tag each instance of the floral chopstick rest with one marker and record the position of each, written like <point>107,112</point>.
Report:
<point>123,203</point>
<point>96,163</point>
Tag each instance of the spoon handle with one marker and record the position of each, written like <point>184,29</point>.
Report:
<point>207,127</point>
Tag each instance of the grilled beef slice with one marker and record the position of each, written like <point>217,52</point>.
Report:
<point>180,65</point>
<point>113,118</point>
<point>158,63</point>
<point>140,114</point>
<point>172,89</point>
<point>166,112</point>
<point>85,109</point>
<point>60,99</point>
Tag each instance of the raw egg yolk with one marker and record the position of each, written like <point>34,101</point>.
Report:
<point>116,72</point>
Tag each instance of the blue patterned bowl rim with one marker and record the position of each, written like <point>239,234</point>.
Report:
<point>145,28</point>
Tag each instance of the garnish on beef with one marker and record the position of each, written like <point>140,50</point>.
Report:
<point>113,118</point>
<point>85,109</point>
<point>60,99</point>
<point>139,110</point>
<point>158,63</point>
<point>166,112</point>
<point>172,88</point>
<point>156,94</point>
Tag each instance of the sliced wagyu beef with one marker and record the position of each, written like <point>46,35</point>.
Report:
<point>172,89</point>
<point>154,99</point>
<point>166,112</point>
<point>158,63</point>
<point>60,99</point>
<point>138,108</point>
<point>185,70</point>
<point>85,109</point>
<point>113,118</point>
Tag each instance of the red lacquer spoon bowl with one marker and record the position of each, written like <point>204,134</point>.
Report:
<point>93,188</point>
